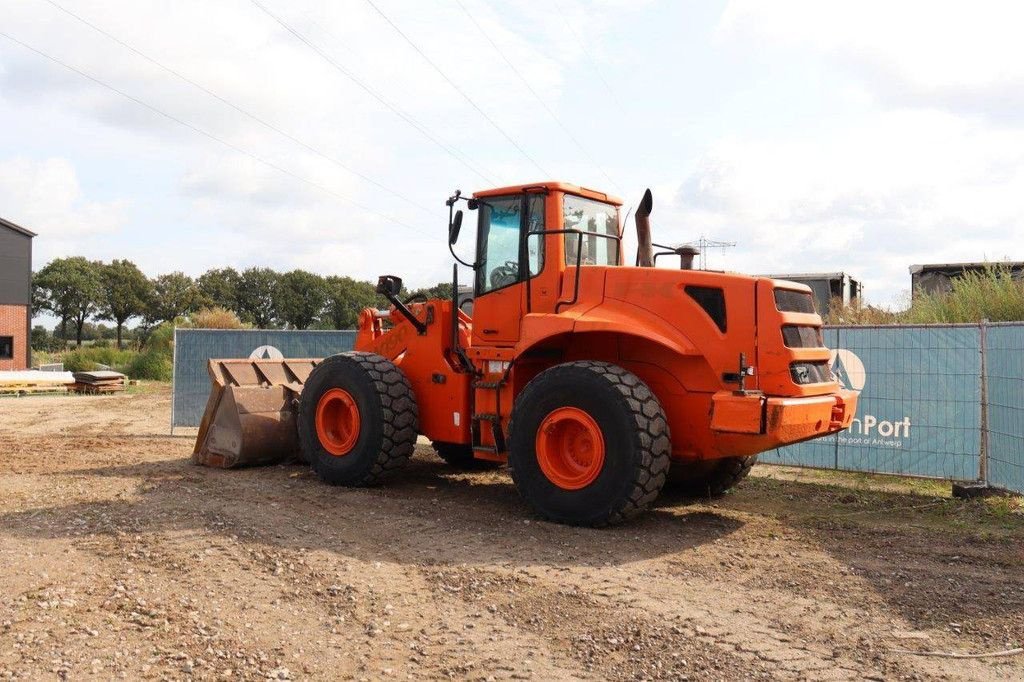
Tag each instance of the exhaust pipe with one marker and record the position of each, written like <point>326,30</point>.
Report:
<point>644,249</point>
<point>686,254</point>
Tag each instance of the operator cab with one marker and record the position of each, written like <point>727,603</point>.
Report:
<point>527,237</point>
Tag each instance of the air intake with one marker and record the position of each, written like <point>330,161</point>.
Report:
<point>789,301</point>
<point>795,336</point>
<point>712,300</point>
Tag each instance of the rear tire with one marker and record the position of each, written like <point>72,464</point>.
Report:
<point>615,437</point>
<point>461,457</point>
<point>357,450</point>
<point>712,478</point>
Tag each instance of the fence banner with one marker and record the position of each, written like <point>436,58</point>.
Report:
<point>194,347</point>
<point>1004,375</point>
<point>920,404</point>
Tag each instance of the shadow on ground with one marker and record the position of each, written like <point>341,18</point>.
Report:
<point>429,513</point>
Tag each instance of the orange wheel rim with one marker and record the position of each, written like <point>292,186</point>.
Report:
<point>570,448</point>
<point>337,421</point>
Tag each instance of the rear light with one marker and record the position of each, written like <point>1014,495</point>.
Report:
<point>795,336</point>
<point>810,372</point>
<point>789,301</point>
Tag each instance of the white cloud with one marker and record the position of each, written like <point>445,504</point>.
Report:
<point>960,55</point>
<point>46,197</point>
<point>896,188</point>
<point>818,135</point>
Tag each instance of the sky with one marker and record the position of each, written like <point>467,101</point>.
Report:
<point>326,134</point>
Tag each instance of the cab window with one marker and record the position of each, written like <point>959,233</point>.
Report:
<point>501,224</point>
<point>592,218</point>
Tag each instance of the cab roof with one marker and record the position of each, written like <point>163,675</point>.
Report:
<point>551,186</point>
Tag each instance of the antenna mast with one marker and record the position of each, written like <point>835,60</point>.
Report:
<point>703,243</point>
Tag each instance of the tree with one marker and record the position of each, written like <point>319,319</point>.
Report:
<point>70,289</point>
<point>299,298</point>
<point>126,293</point>
<point>219,288</point>
<point>346,297</point>
<point>39,296</point>
<point>439,290</point>
<point>174,295</point>
<point>42,340</point>
<point>256,296</point>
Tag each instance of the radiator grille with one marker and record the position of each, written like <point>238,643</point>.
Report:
<point>796,336</point>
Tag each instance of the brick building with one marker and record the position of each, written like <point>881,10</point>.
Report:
<point>15,296</point>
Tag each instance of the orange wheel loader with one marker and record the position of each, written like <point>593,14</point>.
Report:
<point>593,380</point>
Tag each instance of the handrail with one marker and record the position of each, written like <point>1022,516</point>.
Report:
<point>579,260</point>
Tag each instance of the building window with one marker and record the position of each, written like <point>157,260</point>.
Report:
<point>6,347</point>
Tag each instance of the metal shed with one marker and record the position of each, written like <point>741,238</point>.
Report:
<point>937,278</point>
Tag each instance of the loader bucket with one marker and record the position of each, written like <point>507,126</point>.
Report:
<point>250,415</point>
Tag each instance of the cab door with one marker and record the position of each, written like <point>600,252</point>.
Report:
<point>506,258</point>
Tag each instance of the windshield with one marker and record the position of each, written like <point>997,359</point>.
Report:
<point>499,240</point>
<point>595,218</point>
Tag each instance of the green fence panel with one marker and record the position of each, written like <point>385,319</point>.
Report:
<point>1004,365</point>
<point>194,347</point>
<point>919,411</point>
<point>920,405</point>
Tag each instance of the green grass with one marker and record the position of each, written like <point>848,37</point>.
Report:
<point>153,364</point>
<point>850,499</point>
<point>87,359</point>
<point>992,294</point>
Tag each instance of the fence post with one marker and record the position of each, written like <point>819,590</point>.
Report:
<point>835,450</point>
<point>983,445</point>
<point>174,367</point>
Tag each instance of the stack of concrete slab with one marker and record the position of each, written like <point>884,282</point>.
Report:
<point>32,381</point>
<point>101,381</point>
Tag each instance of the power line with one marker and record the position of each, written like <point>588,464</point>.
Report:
<point>451,151</point>
<point>210,135</point>
<point>240,110</point>
<point>590,58</point>
<point>536,96</point>
<point>458,89</point>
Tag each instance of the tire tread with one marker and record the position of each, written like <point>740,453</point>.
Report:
<point>652,431</point>
<point>400,422</point>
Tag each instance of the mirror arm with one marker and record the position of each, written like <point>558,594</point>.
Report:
<point>451,247</point>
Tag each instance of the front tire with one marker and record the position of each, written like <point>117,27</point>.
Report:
<point>589,444</point>
<point>358,419</point>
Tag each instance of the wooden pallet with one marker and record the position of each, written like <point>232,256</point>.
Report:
<point>96,389</point>
<point>32,390</point>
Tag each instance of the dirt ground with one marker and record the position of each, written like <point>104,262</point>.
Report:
<point>120,559</point>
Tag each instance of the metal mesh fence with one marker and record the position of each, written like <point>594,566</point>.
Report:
<point>919,411</point>
<point>920,407</point>
<point>194,347</point>
<point>924,408</point>
<point>1004,365</point>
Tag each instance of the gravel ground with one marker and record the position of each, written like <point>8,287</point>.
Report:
<point>120,559</point>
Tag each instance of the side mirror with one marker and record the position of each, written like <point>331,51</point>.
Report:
<point>453,229</point>
<point>389,286</point>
